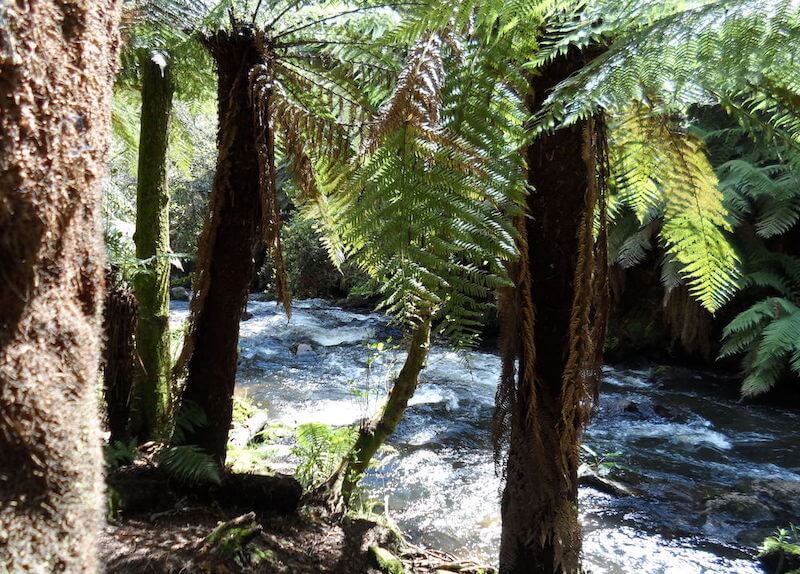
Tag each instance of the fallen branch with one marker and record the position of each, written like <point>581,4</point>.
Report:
<point>147,489</point>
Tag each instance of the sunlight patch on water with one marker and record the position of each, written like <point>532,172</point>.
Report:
<point>621,550</point>
<point>327,411</point>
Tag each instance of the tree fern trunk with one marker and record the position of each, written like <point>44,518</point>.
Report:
<point>375,432</point>
<point>225,255</point>
<point>57,59</point>
<point>556,332</point>
<point>152,244</point>
<point>119,325</point>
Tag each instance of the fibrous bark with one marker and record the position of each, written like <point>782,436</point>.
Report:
<point>151,286</point>
<point>57,59</point>
<point>225,256</point>
<point>119,326</point>
<point>554,323</point>
<point>374,432</point>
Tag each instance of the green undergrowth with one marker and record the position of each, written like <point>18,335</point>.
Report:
<point>780,553</point>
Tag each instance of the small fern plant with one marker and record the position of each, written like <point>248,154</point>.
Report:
<point>188,463</point>
<point>320,449</point>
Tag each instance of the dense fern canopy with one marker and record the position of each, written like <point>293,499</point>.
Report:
<point>400,123</point>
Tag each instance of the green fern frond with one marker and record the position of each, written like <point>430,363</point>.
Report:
<point>189,464</point>
<point>424,210</point>
<point>660,167</point>
<point>768,332</point>
<point>189,418</point>
<point>737,54</point>
<point>320,449</point>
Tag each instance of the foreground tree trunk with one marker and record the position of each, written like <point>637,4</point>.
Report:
<point>154,363</point>
<point>554,325</point>
<point>57,59</point>
<point>338,490</point>
<point>225,255</point>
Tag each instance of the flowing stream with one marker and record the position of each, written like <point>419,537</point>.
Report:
<point>712,476</point>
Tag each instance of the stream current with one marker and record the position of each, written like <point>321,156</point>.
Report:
<point>713,476</point>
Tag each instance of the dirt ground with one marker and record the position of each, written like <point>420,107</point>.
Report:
<point>173,542</point>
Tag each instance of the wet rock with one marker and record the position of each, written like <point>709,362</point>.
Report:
<point>783,496</point>
<point>622,407</point>
<point>641,411</point>
<point>589,478</point>
<point>179,294</point>
<point>631,408</point>
<point>737,516</point>
<point>663,412</point>
<point>744,507</point>
<point>301,349</point>
<point>246,315</point>
<point>748,514</point>
<point>628,408</point>
<point>357,303</point>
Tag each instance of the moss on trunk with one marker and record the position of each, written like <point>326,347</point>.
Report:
<point>57,60</point>
<point>152,397</point>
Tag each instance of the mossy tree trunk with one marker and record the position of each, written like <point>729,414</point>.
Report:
<point>555,327</point>
<point>154,364</point>
<point>225,255</point>
<point>57,61</point>
<point>374,433</point>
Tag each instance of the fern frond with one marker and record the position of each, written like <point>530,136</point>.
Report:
<point>708,53</point>
<point>424,209</point>
<point>189,464</point>
<point>657,165</point>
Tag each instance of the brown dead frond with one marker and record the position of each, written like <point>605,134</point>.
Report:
<point>417,98</point>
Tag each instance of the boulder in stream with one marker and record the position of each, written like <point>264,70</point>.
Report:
<point>301,349</point>
<point>591,479</point>
<point>782,496</point>
<point>739,516</point>
<point>179,294</point>
<point>639,410</point>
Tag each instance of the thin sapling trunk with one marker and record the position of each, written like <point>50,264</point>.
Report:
<point>339,488</point>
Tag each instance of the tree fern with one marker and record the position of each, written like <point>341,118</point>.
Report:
<point>320,449</point>
<point>658,165</point>
<point>758,177</point>
<point>768,332</point>
<point>737,54</point>
<point>424,208</point>
<point>189,464</point>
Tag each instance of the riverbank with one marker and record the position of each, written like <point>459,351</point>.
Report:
<point>253,520</point>
<point>176,541</point>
